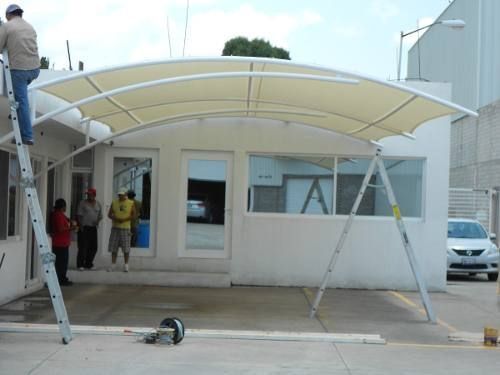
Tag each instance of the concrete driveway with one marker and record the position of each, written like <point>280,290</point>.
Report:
<point>413,345</point>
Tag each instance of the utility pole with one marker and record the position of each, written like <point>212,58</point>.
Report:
<point>69,56</point>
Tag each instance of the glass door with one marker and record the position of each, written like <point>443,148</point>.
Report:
<point>135,172</point>
<point>206,204</point>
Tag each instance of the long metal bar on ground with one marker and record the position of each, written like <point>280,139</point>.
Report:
<point>204,333</point>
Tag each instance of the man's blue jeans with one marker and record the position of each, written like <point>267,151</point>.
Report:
<point>20,81</point>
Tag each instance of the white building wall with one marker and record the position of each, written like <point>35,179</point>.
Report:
<point>51,145</point>
<point>279,249</point>
<point>12,273</point>
<point>267,249</point>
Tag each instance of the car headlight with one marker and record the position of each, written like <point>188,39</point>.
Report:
<point>493,250</point>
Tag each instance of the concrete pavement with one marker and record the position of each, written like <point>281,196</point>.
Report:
<point>413,345</point>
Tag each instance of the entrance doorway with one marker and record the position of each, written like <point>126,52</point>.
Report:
<point>205,212</point>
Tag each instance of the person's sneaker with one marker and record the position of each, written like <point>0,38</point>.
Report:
<point>81,269</point>
<point>28,142</point>
<point>93,268</point>
<point>125,268</point>
<point>111,268</point>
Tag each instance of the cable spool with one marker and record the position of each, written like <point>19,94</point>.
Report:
<point>178,327</point>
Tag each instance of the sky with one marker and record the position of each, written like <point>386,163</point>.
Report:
<point>354,35</point>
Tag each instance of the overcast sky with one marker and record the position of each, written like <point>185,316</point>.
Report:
<point>356,35</point>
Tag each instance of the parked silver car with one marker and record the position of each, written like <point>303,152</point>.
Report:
<point>470,249</point>
<point>198,208</point>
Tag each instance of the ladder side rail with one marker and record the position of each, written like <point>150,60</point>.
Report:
<point>27,183</point>
<point>406,242</point>
<point>343,236</point>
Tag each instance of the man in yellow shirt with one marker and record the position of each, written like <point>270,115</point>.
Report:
<point>121,211</point>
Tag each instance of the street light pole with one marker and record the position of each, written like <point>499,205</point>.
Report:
<point>454,24</point>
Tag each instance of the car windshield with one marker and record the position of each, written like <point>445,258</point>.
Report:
<point>464,229</point>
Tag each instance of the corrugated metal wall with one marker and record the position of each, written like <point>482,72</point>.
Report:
<point>452,56</point>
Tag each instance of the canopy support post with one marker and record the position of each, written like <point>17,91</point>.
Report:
<point>86,123</point>
<point>377,161</point>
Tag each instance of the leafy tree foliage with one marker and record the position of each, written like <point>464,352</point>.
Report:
<point>241,46</point>
<point>44,62</point>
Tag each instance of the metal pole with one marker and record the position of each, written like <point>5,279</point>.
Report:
<point>400,54</point>
<point>69,56</point>
<point>406,242</point>
<point>343,236</point>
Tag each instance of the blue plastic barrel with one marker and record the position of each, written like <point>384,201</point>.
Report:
<point>143,234</point>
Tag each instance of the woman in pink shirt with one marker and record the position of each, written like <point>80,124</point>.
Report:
<point>61,228</point>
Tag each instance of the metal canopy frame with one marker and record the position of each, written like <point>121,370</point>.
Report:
<point>377,162</point>
<point>276,108</point>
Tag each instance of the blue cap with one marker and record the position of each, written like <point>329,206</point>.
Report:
<point>12,8</point>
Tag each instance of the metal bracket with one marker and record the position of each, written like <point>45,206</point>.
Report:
<point>27,182</point>
<point>48,258</point>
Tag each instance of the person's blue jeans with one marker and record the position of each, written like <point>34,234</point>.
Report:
<point>20,81</point>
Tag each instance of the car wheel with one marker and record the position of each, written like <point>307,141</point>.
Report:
<point>493,276</point>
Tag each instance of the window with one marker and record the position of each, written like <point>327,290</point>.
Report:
<point>80,182</point>
<point>291,184</point>
<point>9,195</point>
<point>406,181</point>
<point>83,160</point>
<point>329,185</point>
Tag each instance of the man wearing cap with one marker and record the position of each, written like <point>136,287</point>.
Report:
<point>121,211</point>
<point>89,215</point>
<point>19,37</point>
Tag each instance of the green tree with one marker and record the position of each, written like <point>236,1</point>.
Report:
<point>241,46</point>
<point>44,62</point>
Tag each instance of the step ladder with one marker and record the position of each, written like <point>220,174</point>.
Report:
<point>28,184</point>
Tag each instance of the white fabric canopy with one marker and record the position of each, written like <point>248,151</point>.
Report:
<point>139,95</point>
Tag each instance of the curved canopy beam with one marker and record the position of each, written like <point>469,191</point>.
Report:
<point>361,106</point>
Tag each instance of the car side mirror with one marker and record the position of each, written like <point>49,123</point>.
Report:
<point>493,236</point>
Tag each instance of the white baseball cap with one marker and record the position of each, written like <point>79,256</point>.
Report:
<point>122,191</point>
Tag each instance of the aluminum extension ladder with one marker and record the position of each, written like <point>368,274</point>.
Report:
<point>28,184</point>
<point>377,162</point>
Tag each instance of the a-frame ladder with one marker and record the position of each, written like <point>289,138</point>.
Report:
<point>27,183</point>
<point>378,162</point>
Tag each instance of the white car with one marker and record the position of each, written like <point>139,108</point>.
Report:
<point>470,249</point>
<point>198,208</point>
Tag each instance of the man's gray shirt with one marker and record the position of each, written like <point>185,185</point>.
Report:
<point>19,37</point>
<point>89,214</point>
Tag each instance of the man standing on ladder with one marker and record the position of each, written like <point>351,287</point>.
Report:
<point>19,38</point>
